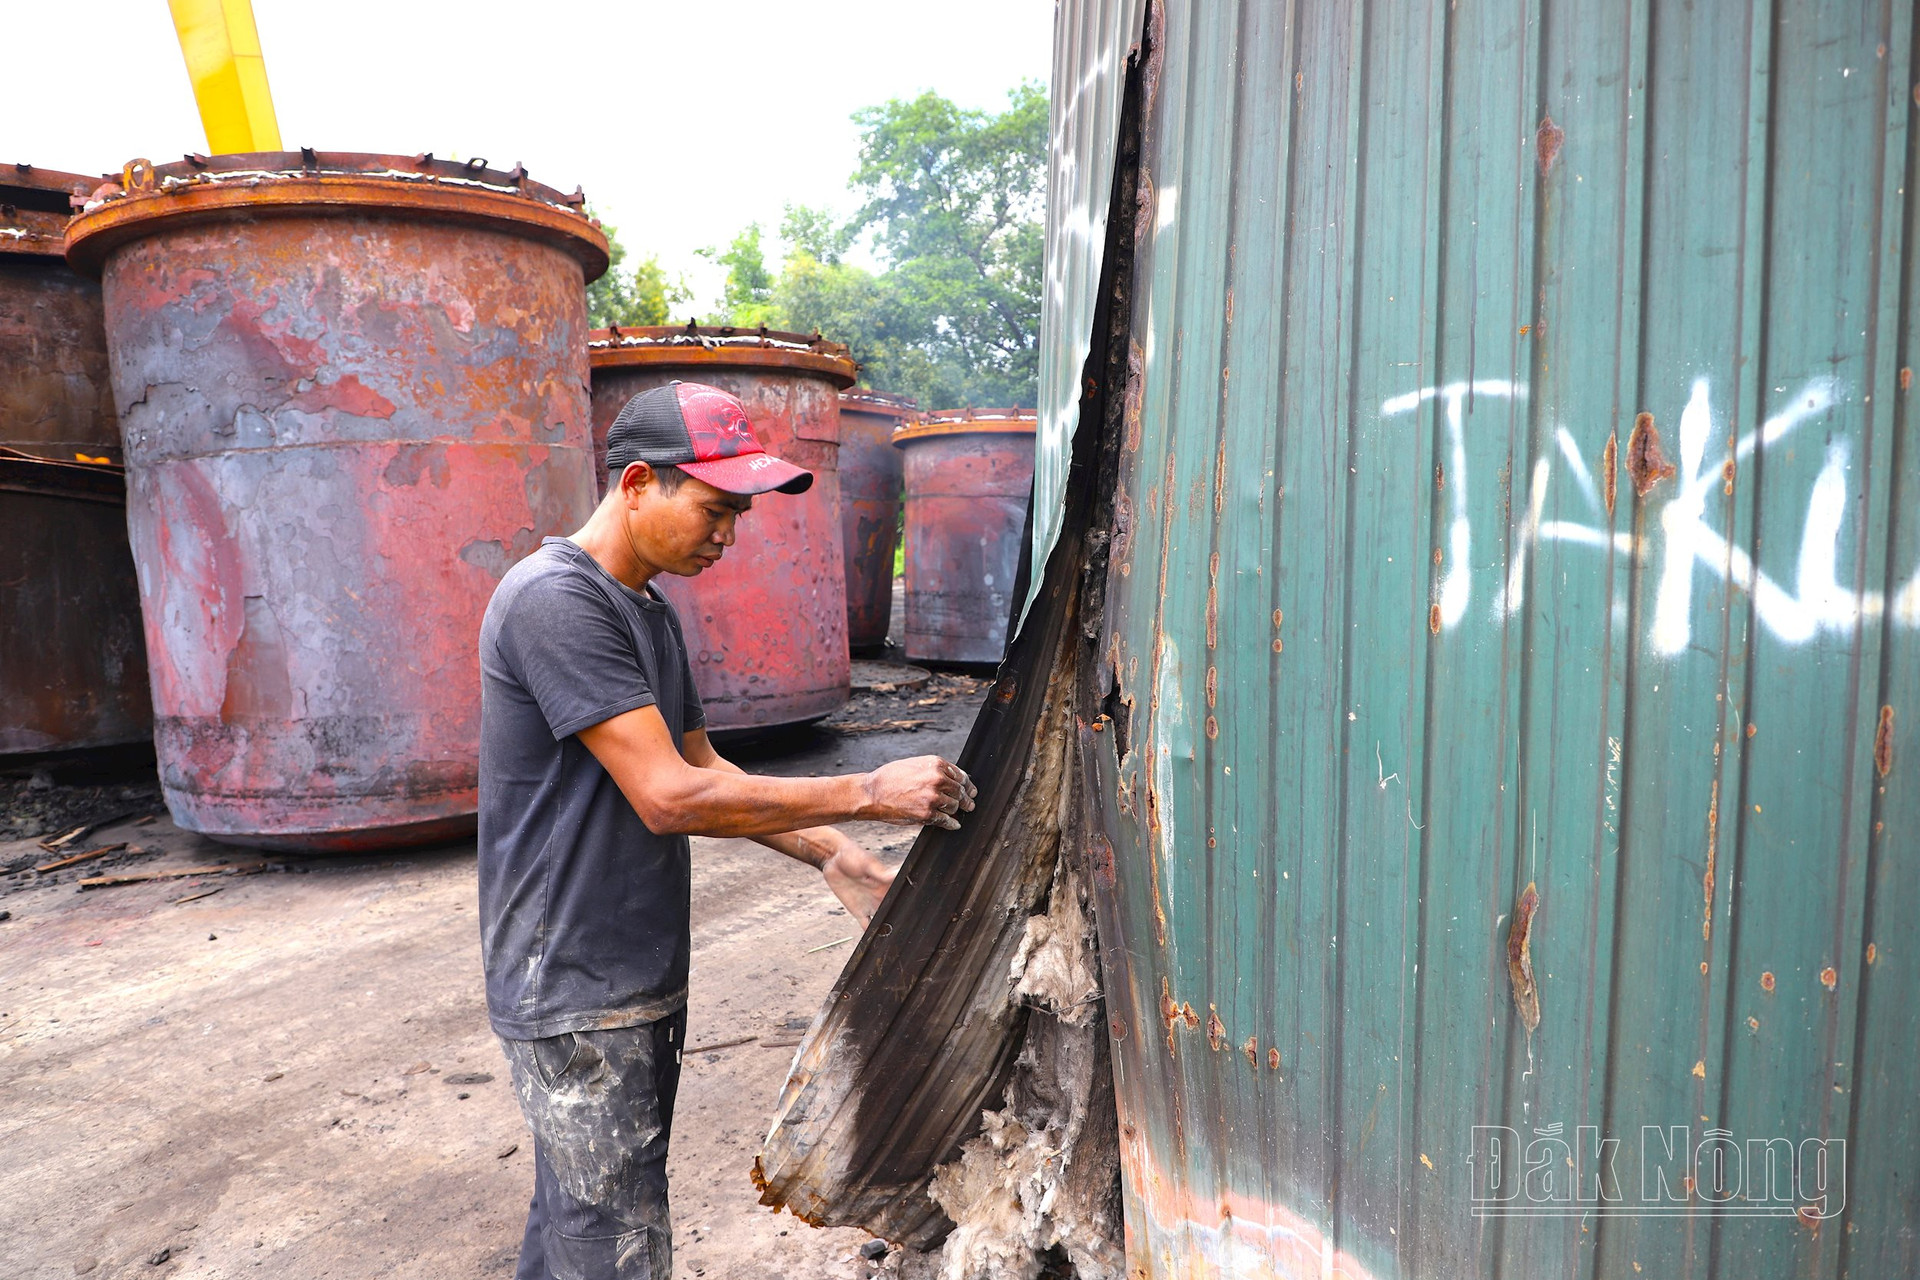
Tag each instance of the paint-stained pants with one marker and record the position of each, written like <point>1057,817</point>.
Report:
<point>600,1105</point>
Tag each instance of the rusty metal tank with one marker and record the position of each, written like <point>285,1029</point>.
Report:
<point>766,628</point>
<point>969,473</point>
<point>870,478</point>
<point>74,676</point>
<point>74,672</point>
<point>353,392</point>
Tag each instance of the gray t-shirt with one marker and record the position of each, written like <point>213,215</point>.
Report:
<point>584,913</point>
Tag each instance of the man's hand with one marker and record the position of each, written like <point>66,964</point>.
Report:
<point>858,879</point>
<point>923,789</point>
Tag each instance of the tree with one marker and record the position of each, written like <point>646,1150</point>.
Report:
<point>747,300</point>
<point>641,296</point>
<point>955,201</point>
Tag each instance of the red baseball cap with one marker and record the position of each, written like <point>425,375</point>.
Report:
<point>703,431</point>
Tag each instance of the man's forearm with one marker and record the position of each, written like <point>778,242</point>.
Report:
<point>716,803</point>
<point>812,845</point>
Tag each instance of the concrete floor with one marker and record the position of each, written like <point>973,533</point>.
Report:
<point>292,1075</point>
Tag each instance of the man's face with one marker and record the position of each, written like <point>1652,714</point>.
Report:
<point>682,532</point>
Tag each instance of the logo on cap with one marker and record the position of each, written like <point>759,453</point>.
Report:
<point>717,426</point>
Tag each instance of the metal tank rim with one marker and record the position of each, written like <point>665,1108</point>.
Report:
<point>27,229</point>
<point>961,422</point>
<point>862,400</point>
<point>149,199</point>
<point>708,346</point>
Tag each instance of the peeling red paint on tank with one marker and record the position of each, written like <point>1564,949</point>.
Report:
<point>766,628</point>
<point>329,478</point>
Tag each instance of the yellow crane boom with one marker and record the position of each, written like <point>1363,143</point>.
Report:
<point>229,73</point>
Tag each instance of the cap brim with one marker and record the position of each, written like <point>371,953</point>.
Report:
<point>751,473</point>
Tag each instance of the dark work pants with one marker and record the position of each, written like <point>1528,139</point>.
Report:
<point>600,1105</point>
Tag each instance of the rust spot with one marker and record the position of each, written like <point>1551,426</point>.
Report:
<point>1100,851</point>
<point>1213,731</point>
<point>1433,617</point>
<point>1751,730</point>
<point>1700,1070</point>
<point>1169,1011</point>
<point>1188,1016</point>
<point>1153,808</point>
<point>1273,1059</point>
<point>1727,473</point>
<point>1004,692</point>
<point>1438,556</point>
<point>1526,997</point>
<point>1440,477</point>
<point>1546,144</point>
<point>1646,464</point>
<point>1277,645</point>
<point>1220,474</point>
<point>1766,981</point>
<point>1808,1216</point>
<point>1117,1027</point>
<point>1525,329</point>
<point>1610,469</point>
<point>1883,743</point>
<point>1252,1049</point>
<point>1713,848</point>
<point>1216,1031</point>
<point>1213,599</point>
<point>1828,978</point>
<point>1873,953</point>
<point>1753,1024</point>
<point>1906,378</point>
<point>1277,616</point>
<point>1213,684</point>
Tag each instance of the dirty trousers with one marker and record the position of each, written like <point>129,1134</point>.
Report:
<point>600,1105</point>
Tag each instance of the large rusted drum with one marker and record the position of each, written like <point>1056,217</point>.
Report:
<point>74,675</point>
<point>353,392</point>
<point>969,473</point>
<point>870,509</point>
<point>766,628</point>
<point>73,666</point>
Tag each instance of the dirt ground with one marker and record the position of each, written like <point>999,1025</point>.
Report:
<point>288,1072</point>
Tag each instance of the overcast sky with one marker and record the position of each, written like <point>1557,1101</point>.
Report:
<point>683,121</point>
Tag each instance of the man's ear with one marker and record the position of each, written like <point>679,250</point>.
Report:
<point>636,478</point>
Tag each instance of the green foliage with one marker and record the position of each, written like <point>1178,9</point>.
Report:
<point>748,298</point>
<point>953,203</point>
<point>640,296</point>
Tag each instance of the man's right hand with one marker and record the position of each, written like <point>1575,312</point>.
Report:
<point>924,789</point>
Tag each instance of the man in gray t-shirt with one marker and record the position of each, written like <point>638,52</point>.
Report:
<point>594,768</point>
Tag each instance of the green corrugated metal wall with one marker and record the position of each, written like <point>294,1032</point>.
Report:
<point>1399,637</point>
